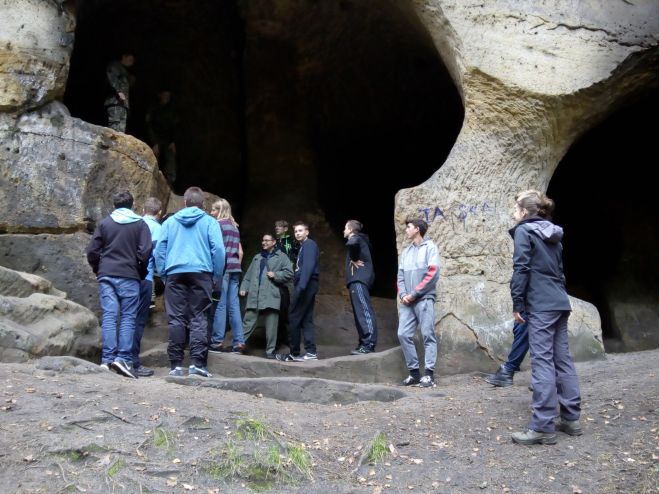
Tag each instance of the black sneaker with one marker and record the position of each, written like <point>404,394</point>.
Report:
<point>239,348</point>
<point>284,357</point>
<point>216,347</point>
<point>360,350</point>
<point>270,356</point>
<point>427,382</point>
<point>124,368</point>
<point>142,371</point>
<point>410,381</point>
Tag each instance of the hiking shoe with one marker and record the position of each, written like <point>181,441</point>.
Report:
<point>124,368</point>
<point>410,381</point>
<point>533,437</point>
<point>309,356</point>
<point>239,348</point>
<point>427,382</point>
<point>570,427</point>
<point>284,357</point>
<point>176,372</point>
<point>502,378</point>
<point>216,347</point>
<point>105,366</point>
<point>142,371</point>
<point>270,356</point>
<point>360,350</point>
<point>199,371</point>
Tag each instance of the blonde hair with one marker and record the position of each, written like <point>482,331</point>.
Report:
<point>536,203</point>
<point>223,208</point>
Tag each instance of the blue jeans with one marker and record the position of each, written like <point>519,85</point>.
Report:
<point>520,345</point>
<point>142,318</point>
<point>118,297</point>
<point>228,301</point>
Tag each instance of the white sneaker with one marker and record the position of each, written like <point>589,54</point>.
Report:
<point>309,356</point>
<point>427,382</point>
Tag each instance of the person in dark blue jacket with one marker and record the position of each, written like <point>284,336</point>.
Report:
<point>305,288</point>
<point>119,253</point>
<point>359,280</point>
<point>189,256</point>
<point>537,288</point>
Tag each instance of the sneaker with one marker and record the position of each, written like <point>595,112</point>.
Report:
<point>152,305</point>
<point>534,437</point>
<point>124,368</point>
<point>216,347</point>
<point>176,372</point>
<point>199,371</point>
<point>297,358</point>
<point>570,427</point>
<point>427,382</point>
<point>410,381</point>
<point>142,371</point>
<point>360,350</point>
<point>239,348</point>
<point>284,357</point>
<point>270,356</point>
<point>310,356</point>
<point>105,366</point>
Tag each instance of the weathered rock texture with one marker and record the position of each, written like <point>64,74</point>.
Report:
<point>36,320</point>
<point>533,77</point>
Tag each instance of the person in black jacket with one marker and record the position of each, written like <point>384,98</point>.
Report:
<point>537,287</point>
<point>119,254</point>
<point>359,280</point>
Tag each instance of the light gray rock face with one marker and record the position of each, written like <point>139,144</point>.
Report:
<point>36,40</point>
<point>534,77</point>
<point>41,321</point>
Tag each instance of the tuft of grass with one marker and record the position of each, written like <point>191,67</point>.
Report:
<point>300,459</point>
<point>251,429</point>
<point>116,467</point>
<point>161,438</point>
<point>378,449</point>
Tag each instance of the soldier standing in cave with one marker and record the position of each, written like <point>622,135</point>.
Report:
<point>161,126</point>
<point>117,103</point>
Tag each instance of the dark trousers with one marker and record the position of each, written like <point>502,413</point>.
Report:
<point>282,331</point>
<point>520,345</point>
<point>146,288</point>
<point>555,383</point>
<point>188,306</point>
<point>300,319</point>
<point>367,327</point>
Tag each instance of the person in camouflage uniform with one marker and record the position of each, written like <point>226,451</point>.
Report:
<point>161,125</point>
<point>117,102</point>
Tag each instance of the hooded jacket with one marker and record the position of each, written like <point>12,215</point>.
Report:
<point>359,249</point>
<point>190,242</point>
<point>418,271</point>
<point>121,246</point>
<point>538,283</point>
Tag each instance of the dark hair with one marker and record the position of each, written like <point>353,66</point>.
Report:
<point>419,223</point>
<point>301,223</point>
<point>355,226</point>
<point>194,196</point>
<point>535,203</point>
<point>271,235</point>
<point>122,199</point>
<point>152,206</point>
<point>281,223</point>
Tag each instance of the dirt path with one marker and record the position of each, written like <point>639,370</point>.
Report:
<point>78,429</point>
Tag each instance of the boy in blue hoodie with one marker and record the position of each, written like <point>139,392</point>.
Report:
<point>118,254</point>
<point>189,255</point>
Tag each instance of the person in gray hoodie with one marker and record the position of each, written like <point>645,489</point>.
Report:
<point>189,256</point>
<point>118,253</point>
<point>537,288</point>
<point>418,273</point>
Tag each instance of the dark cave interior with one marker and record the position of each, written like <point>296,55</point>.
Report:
<point>301,107</point>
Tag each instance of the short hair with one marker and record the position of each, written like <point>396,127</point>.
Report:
<point>271,235</point>
<point>301,223</point>
<point>536,203</point>
<point>152,206</point>
<point>419,223</point>
<point>194,196</point>
<point>281,223</point>
<point>123,199</point>
<point>223,208</point>
<point>355,226</point>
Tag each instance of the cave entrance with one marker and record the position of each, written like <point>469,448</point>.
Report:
<point>290,109</point>
<point>606,203</point>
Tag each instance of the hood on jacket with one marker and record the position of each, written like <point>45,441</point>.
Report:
<point>545,229</point>
<point>364,237</point>
<point>189,216</point>
<point>124,216</point>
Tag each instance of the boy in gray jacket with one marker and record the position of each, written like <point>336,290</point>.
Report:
<point>418,272</point>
